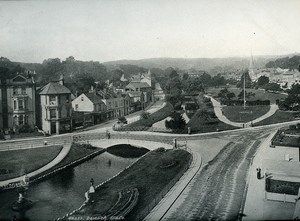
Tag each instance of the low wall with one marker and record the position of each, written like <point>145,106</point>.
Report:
<point>280,197</point>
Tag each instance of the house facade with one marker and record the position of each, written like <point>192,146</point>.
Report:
<point>90,103</point>
<point>114,103</point>
<point>56,108</point>
<point>18,102</point>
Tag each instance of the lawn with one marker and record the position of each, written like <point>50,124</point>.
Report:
<point>17,161</point>
<point>259,94</point>
<point>279,117</point>
<point>150,175</point>
<point>239,114</point>
<point>144,124</point>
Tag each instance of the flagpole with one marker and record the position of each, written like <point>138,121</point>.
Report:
<point>244,90</point>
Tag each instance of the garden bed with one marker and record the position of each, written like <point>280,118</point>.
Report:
<point>282,187</point>
<point>281,139</point>
<point>146,175</point>
<point>15,163</point>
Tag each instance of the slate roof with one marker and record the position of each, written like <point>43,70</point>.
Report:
<point>54,88</point>
<point>96,99</point>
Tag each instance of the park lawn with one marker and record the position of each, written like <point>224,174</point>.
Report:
<point>19,161</point>
<point>279,117</point>
<point>150,175</point>
<point>239,114</point>
<point>259,94</point>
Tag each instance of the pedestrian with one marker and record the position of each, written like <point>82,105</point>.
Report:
<point>258,173</point>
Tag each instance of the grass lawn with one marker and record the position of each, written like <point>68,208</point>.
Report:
<point>259,94</point>
<point>239,114</point>
<point>279,117</point>
<point>150,175</point>
<point>29,160</point>
<point>78,151</point>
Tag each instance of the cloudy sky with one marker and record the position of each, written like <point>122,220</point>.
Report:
<point>31,31</point>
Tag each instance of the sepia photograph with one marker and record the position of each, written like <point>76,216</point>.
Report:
<point>138,110</point>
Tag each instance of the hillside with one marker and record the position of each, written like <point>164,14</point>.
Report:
<point>206,64</point>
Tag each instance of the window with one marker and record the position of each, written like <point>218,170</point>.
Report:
<point>26,119</point>
<point>21,120</point>
<point>82,98</point>
<point>15,90</point>
<point>52,100</point>
<point>116,104</point>
<point>76,106</point>
<point>21,105</point>
<point>15,104</point>
<point>52,113</point>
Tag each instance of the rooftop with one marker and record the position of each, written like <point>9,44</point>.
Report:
<point>54,88</point>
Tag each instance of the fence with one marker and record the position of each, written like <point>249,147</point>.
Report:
<point>280,197</point>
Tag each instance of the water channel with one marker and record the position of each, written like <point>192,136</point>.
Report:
<point>64,192</point>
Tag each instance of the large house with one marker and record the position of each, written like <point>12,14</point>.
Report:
<point>17,106</point>
<point>56,108</point>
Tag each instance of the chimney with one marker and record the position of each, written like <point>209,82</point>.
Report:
<point>61,80</point>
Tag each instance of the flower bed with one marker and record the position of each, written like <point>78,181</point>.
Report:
<point>282,187</point>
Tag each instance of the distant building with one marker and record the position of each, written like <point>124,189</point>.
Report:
<point>56,108</point>
<point>137,101</point>
<point>17,106</point>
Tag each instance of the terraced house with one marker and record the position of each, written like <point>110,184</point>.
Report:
<point>114,103</point>
<point>17,106</point>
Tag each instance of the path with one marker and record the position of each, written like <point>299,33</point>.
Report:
<point>65,150</point>
<point>256,206</point>
<point>218,111</point>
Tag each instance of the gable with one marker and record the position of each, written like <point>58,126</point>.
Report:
<point>19,78</point>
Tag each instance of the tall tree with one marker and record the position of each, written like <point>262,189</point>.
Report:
<point>262,81</point>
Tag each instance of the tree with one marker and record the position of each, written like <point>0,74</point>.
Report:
<point>247,94</point>
<point>262,81</point>
<point>272,87</point>
<point>248,81</point>
<point>176,122</point>
<point>144,115</point>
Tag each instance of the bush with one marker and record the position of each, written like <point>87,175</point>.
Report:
<point>25,129</point>
<point>177,122</point>
<point>144,115</point>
